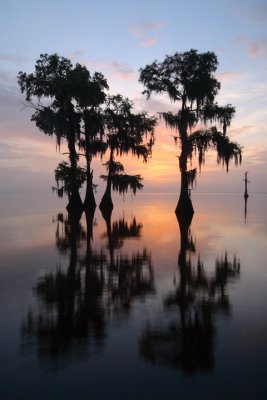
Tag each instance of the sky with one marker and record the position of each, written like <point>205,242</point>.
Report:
<point>118,38</point>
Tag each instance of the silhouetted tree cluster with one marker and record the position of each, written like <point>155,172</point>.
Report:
<point>73,105</point>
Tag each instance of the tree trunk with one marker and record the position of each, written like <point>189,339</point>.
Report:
<point>75,205</point>
<point>184,206</point>
<point>106,202</point>
<point>89,201</point>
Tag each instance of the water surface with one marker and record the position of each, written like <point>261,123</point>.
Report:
<point>135,306</point>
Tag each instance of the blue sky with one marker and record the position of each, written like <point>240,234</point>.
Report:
<point>117,38</point>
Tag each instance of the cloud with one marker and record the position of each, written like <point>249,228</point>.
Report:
<point>145,27</point>
<point>257,49</point>
<point>243,130</point>
<point>96,64</point>
<point>8,79</point>
<point>14,58</point>
<point>122,71</point>
<point>254,48</point>
<point>143,30</point>
<point>155,105</point>
<point>227,76</point>
<point>10,151</point>
<point>76,54</point>
<point>29,154</point>
<point>259,12</point>
<point>149,42</point>
<point>256,156</point>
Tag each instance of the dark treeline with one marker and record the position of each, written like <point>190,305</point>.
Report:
<point>74,105</point>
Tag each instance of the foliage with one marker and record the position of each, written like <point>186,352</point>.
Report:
<point>72,104</point>
<point>63,176</point>
<point>126,133</point>
<point>125,130</point>
<point>189,80</point>
<point>64,98</point>
<point>122,182</point>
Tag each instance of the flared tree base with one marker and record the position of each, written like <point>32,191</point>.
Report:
<point>89,204</point>
<point>106,205</point>
<point>184,208</point>
<point>75,206</point>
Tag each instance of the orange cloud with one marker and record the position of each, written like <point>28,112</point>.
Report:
<point>226,76</point>
<point>156,104</point>
<point>254,48</point>
<point>122,71</point>
<point>148,42</point>
<point>242,131</point>
<point>143,29</point>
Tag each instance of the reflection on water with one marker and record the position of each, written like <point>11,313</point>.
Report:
<point>246,207</point>
<point>186,340</point>
<point>134,299</point>
<point>97,284</point>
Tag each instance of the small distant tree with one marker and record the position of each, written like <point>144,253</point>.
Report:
<point>188,79</point>
<point>125,133</point>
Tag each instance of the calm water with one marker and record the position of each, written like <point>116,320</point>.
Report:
<point>135,307</point>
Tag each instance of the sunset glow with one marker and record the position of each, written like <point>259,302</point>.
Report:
<point>128,41</point>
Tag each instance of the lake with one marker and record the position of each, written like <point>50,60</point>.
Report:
<point>135,306</point>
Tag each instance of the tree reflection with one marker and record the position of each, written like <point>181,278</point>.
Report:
<point>77,302</point>
<point>71,308</point>
<point>187,341</point>
<point>129,275</point>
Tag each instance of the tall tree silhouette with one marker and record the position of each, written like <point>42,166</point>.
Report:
<point>64,93</point>
<point>125,133</point>
<point>188,79</point>
<point>93,132</point>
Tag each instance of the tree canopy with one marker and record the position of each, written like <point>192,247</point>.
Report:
<point>62,96</point>
<point>125,132</point>
<point>72,104</point>
<point>189,80</point>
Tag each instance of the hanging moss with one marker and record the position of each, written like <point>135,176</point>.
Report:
<point>63,174</point>
<point>122,183</point>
